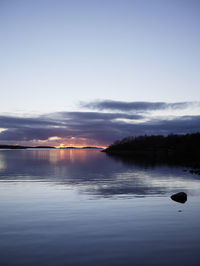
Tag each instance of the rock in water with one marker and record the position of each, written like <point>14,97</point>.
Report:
<point>179,197</point>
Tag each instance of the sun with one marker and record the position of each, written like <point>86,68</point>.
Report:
<point>61,145</point>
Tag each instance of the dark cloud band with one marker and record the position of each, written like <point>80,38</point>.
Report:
<point>136,106</point>
<point>104,128</point>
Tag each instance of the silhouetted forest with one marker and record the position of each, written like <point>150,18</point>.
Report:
<point>80,148</point>
<point>180,149</point>
<point>13,147</point>
<point>18,147</point>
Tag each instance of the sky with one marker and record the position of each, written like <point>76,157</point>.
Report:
<point>88,72</point>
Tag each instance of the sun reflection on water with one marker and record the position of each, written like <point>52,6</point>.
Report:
<point>3,164</point>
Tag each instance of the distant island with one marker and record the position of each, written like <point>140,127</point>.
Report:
<point>18,147</point>
<point>174,149</point>
<point>81,148</point>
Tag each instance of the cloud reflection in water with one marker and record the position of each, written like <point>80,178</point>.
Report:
<point>93,172</point>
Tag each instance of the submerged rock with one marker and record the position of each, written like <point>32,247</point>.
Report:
<point>179,197</point>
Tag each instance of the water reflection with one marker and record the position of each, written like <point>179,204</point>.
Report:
<point>90,171</point>
<point>2,163</point>
<point>65,213</point>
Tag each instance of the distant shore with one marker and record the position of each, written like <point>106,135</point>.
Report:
<point>18,147</point>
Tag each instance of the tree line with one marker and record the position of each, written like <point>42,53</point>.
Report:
<point>180,148</point>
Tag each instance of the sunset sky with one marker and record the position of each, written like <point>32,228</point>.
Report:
<point>88,72</point>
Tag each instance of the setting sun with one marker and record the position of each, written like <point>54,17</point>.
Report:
<point>61,145</point>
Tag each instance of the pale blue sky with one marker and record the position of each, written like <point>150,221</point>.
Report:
<point>56,53</point>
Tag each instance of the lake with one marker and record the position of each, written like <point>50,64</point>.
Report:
<point>82,207</point>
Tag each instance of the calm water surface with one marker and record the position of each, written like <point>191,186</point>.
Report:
<point>81,207</point>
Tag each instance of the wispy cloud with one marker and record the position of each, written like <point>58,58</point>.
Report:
<point>136,106</point>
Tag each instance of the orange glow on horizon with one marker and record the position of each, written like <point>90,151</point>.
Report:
<point>62,145</point>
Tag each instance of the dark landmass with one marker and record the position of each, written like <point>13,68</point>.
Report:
<point>81,148</point>
<point>172,149</point>
<point>13,147</point>
<point>43,147</point>
<point>18,147</point>
<point>97,148</point>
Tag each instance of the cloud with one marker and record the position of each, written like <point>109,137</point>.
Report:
<point>17,122</point>
<point>93,127</point>
<point>92,116</point>
<point>136,106</point>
